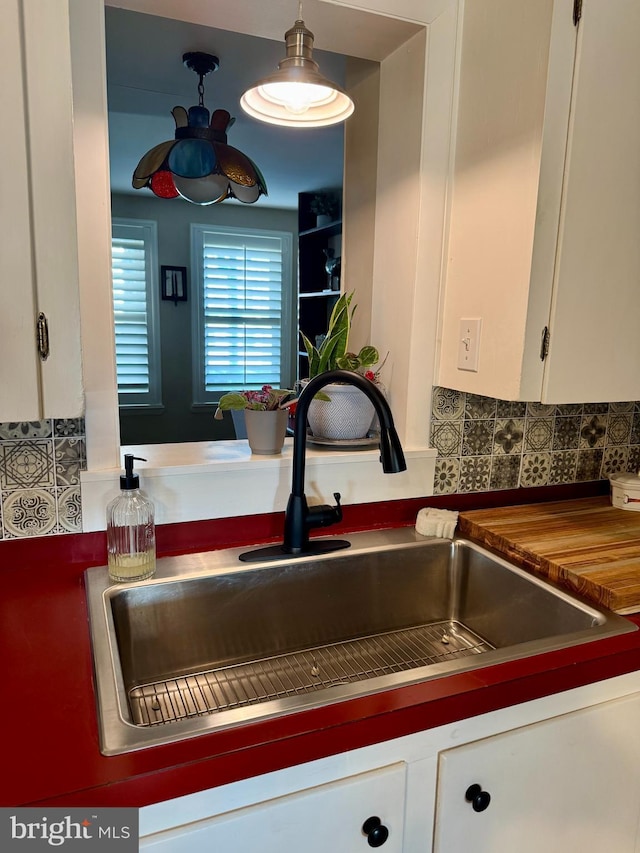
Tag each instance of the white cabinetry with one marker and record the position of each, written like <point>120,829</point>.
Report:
<point>544,213</point>
<point>420,11</point>
<point>38,262</point>
<point>563,774</point>
<point>571,783</point>
<point>348,815</point>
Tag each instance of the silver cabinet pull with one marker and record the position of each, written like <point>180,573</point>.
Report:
<point>42,333</point>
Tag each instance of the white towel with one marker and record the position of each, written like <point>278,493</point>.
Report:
<point>437,522</point>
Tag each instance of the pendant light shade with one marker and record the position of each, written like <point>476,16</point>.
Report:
<point>297,95</point>
<point>198,165</point>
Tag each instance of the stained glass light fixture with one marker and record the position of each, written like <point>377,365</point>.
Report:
<point>198,164</point>
<point>297,95</point>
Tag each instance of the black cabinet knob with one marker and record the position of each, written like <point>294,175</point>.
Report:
<point>478,798</point>
<point>376,832</point>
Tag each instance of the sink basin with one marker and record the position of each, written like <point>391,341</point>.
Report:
<point>211,642</point>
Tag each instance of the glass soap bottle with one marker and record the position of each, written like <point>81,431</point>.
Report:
<point>131,532</point>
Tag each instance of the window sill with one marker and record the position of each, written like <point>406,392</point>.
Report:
<point>222,479</point>
<point>126,410</point>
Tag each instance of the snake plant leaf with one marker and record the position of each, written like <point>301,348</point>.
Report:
<point>312,354</point>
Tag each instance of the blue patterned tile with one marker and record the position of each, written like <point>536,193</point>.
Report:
<point>508,436</point>
<point>446,437</point>
<point>25,429</point>
<point>535,470</point>
<point>479,408</point>
<point>538,434</point>
<point>615,460</point>
<point>26,464</point>
<point>589,465</point>
<point>447,474</point>
<point>474,474</point>
<point>593,431</point>
<point>505,472</point>
<point>566,433</point>
<point>618,428</point>
<point>563,467</point>
<point>448,405</point>
<point>477,438</point>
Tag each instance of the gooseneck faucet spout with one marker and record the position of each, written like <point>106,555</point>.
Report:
<point>299,517</point>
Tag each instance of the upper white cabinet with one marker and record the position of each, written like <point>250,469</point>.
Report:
<point>544,211</point>
<point>38,262</point>
<point>420,11</point>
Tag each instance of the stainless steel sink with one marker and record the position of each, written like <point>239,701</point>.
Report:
<point>211,642</point>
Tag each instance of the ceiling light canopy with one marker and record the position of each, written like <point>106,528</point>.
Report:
<point>297,95</point>
<point>198,165</point>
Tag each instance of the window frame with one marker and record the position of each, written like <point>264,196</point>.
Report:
<point>203,399</point>
<point>149,402</point>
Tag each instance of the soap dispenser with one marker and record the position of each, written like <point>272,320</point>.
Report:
<point>131,532</point>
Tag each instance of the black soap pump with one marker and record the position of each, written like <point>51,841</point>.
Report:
<point>131,532</point>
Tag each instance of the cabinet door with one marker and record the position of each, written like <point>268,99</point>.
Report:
<point>18,359</point>
<point>38,263</point>
<point>567,784</point>
<point>327,817</point>
<point>594,345</point>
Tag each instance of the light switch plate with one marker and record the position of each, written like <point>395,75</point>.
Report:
<point>469,343</point>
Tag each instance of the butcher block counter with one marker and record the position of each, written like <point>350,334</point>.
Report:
<point>587,546</point>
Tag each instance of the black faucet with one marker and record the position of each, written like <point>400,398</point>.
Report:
<point>299,517</point>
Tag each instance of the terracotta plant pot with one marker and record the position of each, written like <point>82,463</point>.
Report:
<point>346,416</point>
<point>266,430</point>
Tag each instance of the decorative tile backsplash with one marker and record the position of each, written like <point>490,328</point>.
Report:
<point>485,444</point>
<point>40,464</point>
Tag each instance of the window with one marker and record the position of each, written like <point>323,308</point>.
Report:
<point>135,310</point>
<point>242,310</point>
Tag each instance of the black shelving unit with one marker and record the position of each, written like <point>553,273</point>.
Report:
<point>316,293</point>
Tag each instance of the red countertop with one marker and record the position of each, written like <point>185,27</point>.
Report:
<point>48,716</point>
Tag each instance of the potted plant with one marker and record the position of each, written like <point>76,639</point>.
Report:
<point>265,413</point>
<point>325,207</point>
<point>343,412</point>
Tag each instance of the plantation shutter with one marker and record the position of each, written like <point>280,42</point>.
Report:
<point>242,297</point>
<point>132,278</point>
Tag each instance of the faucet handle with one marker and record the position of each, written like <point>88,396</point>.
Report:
<point>324,515</point>
<point>337,509</point>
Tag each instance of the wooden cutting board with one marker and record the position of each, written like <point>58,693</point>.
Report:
<point>585,545</point>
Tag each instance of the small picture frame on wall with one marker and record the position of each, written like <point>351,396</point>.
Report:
<point>173,281</point>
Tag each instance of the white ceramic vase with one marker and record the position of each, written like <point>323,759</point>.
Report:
<point>347,416</point>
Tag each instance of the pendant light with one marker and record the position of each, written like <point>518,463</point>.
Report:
<point>297,95</point>
<point>198,164</point>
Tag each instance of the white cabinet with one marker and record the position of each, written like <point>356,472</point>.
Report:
<point>544,211</point>
<point>38,262</point>
<point>351,814</point>
<point>567,784</point>
<point>562,772</point>
<point>420,11</point>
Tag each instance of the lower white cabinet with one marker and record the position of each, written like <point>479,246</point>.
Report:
<point>356,813</point>
<point>567,784</point>
<point>559,774</point>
